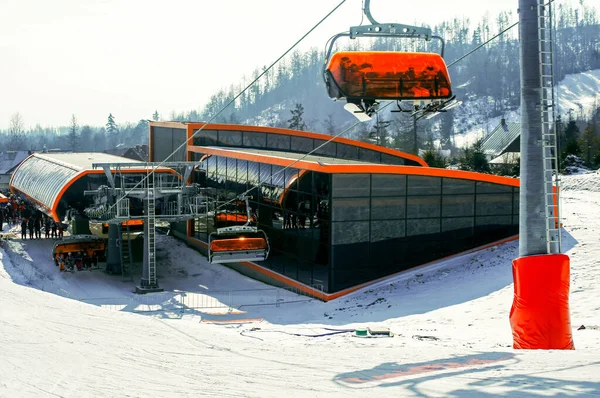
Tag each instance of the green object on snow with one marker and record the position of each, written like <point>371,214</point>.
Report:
<point>362,332</point>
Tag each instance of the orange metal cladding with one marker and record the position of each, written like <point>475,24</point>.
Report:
<point>233,218</point>
<point>79,246</point>
<point>238,244</point>
<point>390,75</point>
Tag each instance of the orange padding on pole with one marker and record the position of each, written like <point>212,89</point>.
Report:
<point>539,316</point>
<point>238,244</point>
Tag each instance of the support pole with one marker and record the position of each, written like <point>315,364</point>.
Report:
<point>539,316</point>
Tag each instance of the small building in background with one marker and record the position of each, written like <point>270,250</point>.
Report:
<point>138,152</point>
<point>9,161</point>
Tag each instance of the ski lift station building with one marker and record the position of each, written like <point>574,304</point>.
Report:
<point>346,215</point>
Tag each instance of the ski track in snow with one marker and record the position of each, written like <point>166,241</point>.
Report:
<point>450,320</point>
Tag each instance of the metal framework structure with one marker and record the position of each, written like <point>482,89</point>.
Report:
<point>180,202</point>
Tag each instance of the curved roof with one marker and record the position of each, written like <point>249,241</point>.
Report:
<point>331,166</point>
<point>45,177</point>
<point>193,126</point>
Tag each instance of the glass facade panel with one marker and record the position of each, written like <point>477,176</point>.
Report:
<point>230,138</point>
<point>344,233</point>
<point>422,227</point>
<point>350,209</point>
<point>455,186</point>
<point>205,138</point>
<point>255,140</point>
<point>388,185</point>
<point>494,204</point>
<point>486,187</point>
<point>388,208</point>
<point>278,141</point>
<point>349,185</point>
<point>493,220</point>
<point>347,151</point>
<point>367,155</point>
<point>382,230</point>
<point>458,205</point>
<point>389,159</point>
<point>422,185</point>
<point>326,150</point>
<point>423,206</point>
<point>452,224</point>
<point>301,144</point>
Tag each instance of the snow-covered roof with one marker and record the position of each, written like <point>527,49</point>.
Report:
<point>506,137</point>
<point>9,160</point>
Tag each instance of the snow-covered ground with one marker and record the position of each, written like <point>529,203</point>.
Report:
<point>450,323</point>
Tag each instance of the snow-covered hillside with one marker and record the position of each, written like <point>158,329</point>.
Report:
<point>450,323</point>
<point>579,92</point>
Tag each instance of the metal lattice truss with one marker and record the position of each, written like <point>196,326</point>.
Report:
<point>167,186</point>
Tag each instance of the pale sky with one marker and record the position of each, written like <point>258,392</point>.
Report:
<point>132,57</point>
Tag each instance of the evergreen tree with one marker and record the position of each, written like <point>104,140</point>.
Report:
<point>296,122</point>
<point>474,159</point>
<point>86,139</point>
<point>155,116</point>
<point>73,138</point>
<point>112,132</point>
<point>434,159</point>
<point>572,132</point>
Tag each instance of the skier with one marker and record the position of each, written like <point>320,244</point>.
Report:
<point>54,235</point>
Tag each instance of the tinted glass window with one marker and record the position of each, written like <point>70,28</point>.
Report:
<point>367,155</point>
<point>326,150</point>
<point>230,138</point>
<point>255,140</point>
<point>494,204</point>
<point>347,152</point>
<point>493,220</point>
<point>390,229</point>
<point>388,208</point>
<point>278,141</point>
<point>486,187</point>
<point>388,185</point>
<point>452,186</point>
<point>389,159</point>
<point>423,206</point>
<point>422,227</point>
<point>347,185</point>
<point>350,209</point>
<point>205,138</point>
<point>452,224</point>
<point>419,185</point>
<point>301,144</point>
<point>458,205</point>
<point>350,232</point>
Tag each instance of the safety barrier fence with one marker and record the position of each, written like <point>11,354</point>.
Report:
<point>174,302</point>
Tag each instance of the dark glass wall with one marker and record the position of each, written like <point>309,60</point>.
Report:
<point>291,206</point>
<point>289,143</point>
<point>383,224</point>
<point>165,140</point>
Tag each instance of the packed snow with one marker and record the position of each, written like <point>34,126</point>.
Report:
<point>214,332</point>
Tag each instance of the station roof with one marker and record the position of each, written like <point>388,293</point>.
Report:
<point>45,177</point>
<point>342,166</point>
<point>506,137</point>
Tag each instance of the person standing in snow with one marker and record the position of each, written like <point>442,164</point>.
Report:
<point>30,227</point>
<point>23,229</point>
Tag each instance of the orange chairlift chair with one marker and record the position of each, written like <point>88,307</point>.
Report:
<point>364,78</point>
<point>238,243</point>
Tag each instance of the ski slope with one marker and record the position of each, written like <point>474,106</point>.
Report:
<point>450,323</point>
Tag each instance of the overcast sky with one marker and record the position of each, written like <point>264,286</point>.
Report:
<point>131,57</point>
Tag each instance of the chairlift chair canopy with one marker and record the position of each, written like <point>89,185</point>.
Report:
<point>385,75</point>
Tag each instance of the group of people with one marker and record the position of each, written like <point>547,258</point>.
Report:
<point>17,211</point>
<point>79,261</point>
